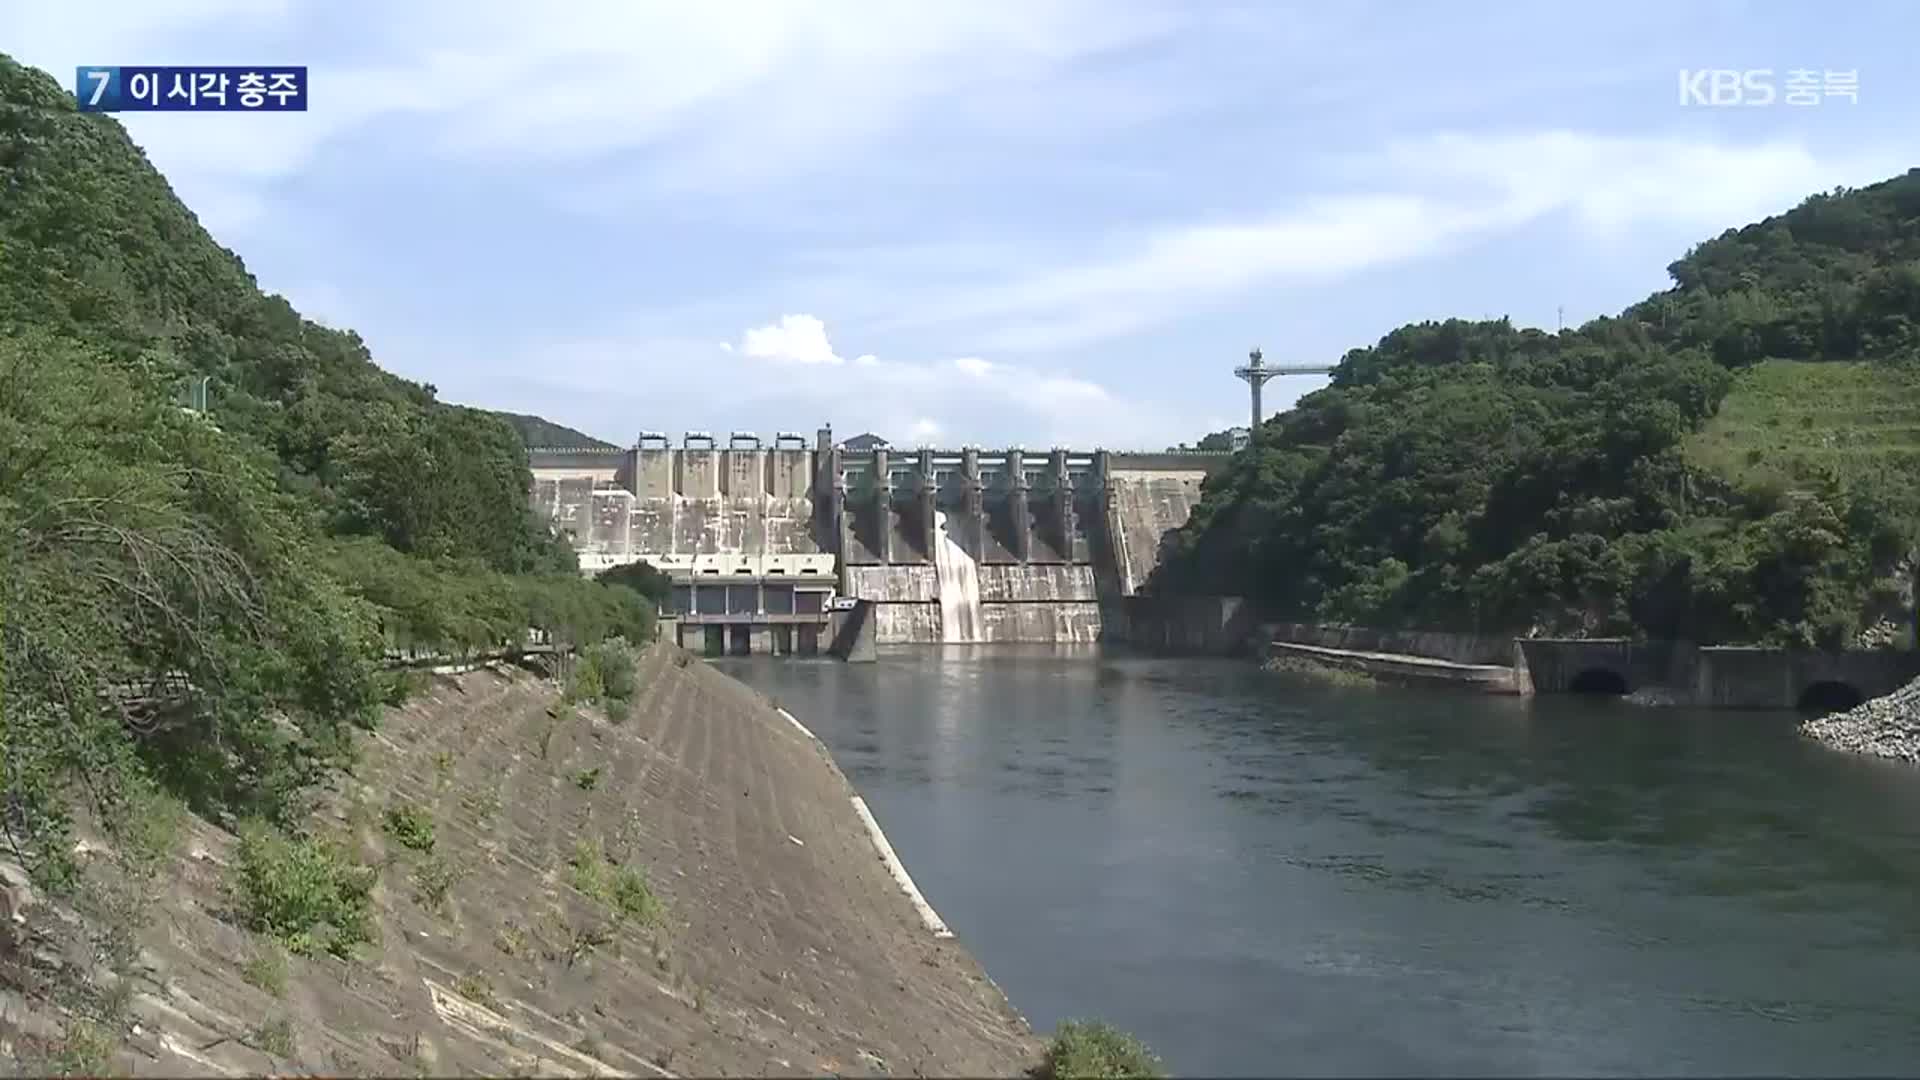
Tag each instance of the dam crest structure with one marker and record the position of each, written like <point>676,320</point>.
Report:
<point>764,541</point>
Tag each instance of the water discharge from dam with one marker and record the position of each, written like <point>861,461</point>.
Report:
<point>1264,880</point>
<point>958,584</point>
<point>1026,549</point>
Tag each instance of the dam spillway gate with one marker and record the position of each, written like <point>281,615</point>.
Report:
<point>967,545</point>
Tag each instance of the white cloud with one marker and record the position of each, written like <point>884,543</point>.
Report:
<point>1613,182</point>
<point>791,364</point>
<point>996,192</point>
<point>1443,192</point>
<point>1159,274</point>
<point>1071,391</point>
<point>1408,200</point>
<point>739,93</point>
<point>801,339</point>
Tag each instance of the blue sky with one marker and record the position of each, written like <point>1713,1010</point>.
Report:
<point>1001,221</point>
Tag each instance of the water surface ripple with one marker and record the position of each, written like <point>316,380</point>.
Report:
<point>1260,879</point>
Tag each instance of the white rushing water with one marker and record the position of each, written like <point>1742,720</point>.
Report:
<point>959,586</point>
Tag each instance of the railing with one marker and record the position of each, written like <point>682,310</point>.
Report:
<point>145,702</point>
<point>752,618</point>
<point>785,442</point>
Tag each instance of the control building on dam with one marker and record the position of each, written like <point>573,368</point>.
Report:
<point>968,545</point>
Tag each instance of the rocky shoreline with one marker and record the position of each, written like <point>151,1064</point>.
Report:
<point>1886,727</point>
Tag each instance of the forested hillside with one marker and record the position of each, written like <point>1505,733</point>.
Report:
<point>539,431</point>
<point>203,598</point>
<point>1602,480</point>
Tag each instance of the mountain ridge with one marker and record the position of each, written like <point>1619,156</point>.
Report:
<point>1471,475</point>
<point>537,432</point>
<point>241,571</point>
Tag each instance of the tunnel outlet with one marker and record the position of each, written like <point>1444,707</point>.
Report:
<point>1829,696</point>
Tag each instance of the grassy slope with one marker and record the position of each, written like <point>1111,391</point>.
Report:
<point>1786,420</point>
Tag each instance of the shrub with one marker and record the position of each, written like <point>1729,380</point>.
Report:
<point>400,686</point>
<point>411,826</point>
<point>273,1036</point>
<point>483,804</point>
<point>148,829</point>
<point>85,1048</point>
<point>1097,1051</point>
<point>584,684</point>
<point>625,889</point>
<point>633,898</point>
<point>511,939</point>
<point>267,969</point>
<point>149,556</point>
<point>305,892</point>
<point>589,870</point>
<point>433,878</point>
<point>587,779</point>
<point>603,674</point>
<point>475,988</point>
<point>615,661</point>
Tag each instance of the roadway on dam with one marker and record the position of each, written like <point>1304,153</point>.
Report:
<point>1259,878</point>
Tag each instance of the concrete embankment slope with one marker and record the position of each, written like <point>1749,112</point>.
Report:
<point>1145,505</point>
<point>787,945</point>
<point>1886,726</point>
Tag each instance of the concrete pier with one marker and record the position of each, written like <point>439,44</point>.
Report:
<point>973,500</point>
<point>926,493</point>
<point>1061,516</point>
<point>882,508</point>
<point>1021,520</point>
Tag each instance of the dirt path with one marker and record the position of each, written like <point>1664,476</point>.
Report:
<point>785,946</point>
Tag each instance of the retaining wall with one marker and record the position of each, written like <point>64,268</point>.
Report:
<point>1199,625</point>
<point>1681,672</point>
<point>1459,648</point>
<point>1744,677</point>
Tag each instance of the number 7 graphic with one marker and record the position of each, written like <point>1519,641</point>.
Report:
<point>97,89</point>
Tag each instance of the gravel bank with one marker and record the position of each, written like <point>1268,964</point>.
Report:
<point>1884,726</point>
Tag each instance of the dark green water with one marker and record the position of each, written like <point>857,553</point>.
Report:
<point>1260,879</point>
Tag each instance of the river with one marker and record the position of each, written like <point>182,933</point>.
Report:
<point>1258,878</point>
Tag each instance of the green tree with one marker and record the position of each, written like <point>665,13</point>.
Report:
<point>204,599</point>
<point>1472,475</point>
<point>158,604</point>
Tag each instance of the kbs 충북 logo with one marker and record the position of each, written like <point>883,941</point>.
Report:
<point>260,88</point>
<point>1751,87</point>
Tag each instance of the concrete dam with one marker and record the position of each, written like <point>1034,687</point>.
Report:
<point>967,545</point>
